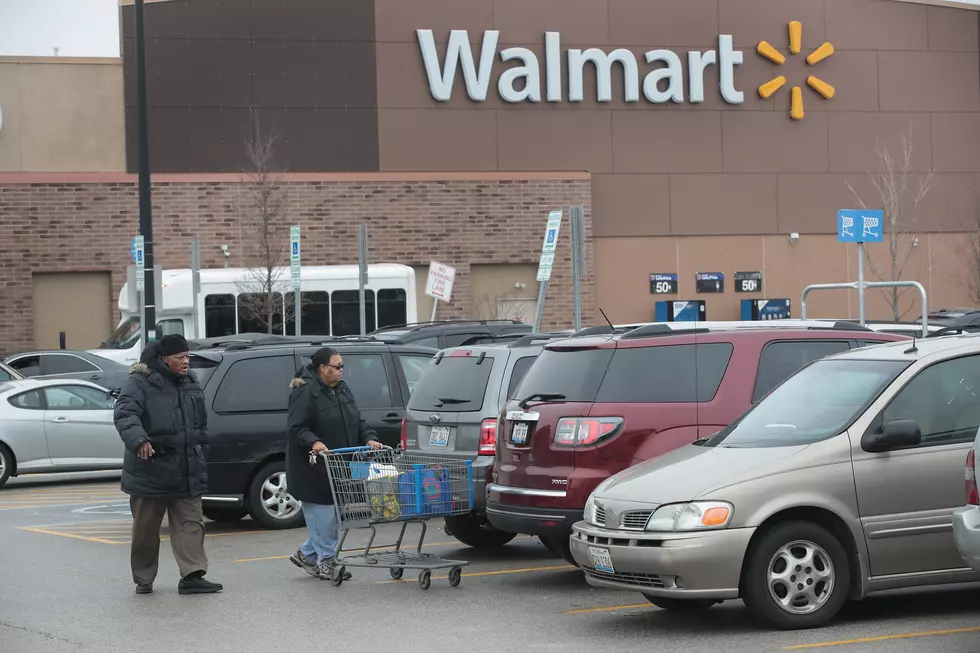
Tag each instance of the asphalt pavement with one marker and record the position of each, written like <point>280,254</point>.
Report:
<point>64,565</point>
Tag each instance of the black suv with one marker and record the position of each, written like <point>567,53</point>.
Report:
<point>454,333</point>
<point>246,387</point>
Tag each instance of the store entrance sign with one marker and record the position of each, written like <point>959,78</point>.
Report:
<point>526,82</point>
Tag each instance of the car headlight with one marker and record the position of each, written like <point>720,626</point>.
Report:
<point>589,515</point>
<point>694,516</point>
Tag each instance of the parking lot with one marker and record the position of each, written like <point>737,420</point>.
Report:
<point>67,588</point>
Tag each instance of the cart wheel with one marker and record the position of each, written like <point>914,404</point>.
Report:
<point>455,576</point>
<point>425,579</point>
<point>337,577</point>
<point>396,573</point>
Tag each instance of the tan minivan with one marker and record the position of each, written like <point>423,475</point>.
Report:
<point>842,481</point>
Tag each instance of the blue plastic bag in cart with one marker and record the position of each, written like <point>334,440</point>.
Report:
<point>425,492</point>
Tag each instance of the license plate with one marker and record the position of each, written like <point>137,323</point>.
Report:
<point>439,436</point>
<point>521,416</point>
<point>601,560</point>
<point>519,434</point>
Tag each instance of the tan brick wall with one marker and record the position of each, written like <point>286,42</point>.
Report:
<point>63,227</point>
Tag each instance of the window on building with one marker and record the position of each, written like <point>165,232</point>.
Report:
<point>392,307</point>
<point>346,312</point>
<point>219,316</point>
<point>315,309</point>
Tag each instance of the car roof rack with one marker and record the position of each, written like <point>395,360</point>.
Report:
<point>840,325</point>
<point>533,338</point>
<point>420,325</point>
<point>601,330</point>
<point>301,341</point>
<point>655,330</point>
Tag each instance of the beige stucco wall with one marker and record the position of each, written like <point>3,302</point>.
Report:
<point>62,114</point>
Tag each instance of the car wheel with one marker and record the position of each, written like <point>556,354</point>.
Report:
<point>797,576</point>
<point>559,546</point>
<point>225,515</point>
<point>681,605</point>
<point>474,530</point>
<point>6,464</point>
<point>269,501</point>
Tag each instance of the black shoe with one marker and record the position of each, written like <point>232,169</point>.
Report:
<point>198,586</point>
<point>144,588</point>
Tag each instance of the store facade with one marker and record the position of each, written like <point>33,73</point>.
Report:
<point>452,127</point>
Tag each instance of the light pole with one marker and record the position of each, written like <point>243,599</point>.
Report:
<point>146,215</point>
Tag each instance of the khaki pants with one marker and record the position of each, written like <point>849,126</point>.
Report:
<point>186,524</point>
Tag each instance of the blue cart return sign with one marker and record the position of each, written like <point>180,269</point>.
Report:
<point>860,226</point>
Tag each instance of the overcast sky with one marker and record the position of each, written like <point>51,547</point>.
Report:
<point>79,28</point>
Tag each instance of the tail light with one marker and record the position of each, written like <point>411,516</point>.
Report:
<point>488,437</point>
<point>586,431</point>
<point>972,496</point>
<point>404,439</point>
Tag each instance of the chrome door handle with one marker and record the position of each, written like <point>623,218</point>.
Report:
<point>61,420</point>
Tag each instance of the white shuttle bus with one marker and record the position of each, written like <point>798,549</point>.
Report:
<point>329,294</point>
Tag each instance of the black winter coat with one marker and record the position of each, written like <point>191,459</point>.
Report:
<point>318,412</point>
<point>168,410</point>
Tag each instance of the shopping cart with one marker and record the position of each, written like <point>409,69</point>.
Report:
<point>384,486</point>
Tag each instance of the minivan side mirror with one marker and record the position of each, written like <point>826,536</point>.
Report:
<point>896,434</point>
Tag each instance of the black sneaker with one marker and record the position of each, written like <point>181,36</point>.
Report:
<point>144,588</point>
<point>198,586</point>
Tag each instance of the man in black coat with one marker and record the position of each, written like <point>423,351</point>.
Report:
<point>161,418</point>
<point>322,416</point>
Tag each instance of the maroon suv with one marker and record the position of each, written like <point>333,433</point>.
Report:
<point>590,407</point>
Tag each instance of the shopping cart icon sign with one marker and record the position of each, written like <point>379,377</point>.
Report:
<point>860,226</point>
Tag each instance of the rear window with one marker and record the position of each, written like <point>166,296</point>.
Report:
<point>663,374</point>
<point>574,374</point>
<point>671,374</point>
<point>456,383</point>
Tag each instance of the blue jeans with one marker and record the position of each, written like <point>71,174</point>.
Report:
<point>321,523</point>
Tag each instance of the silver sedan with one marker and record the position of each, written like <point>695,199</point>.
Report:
<point>56,425</point>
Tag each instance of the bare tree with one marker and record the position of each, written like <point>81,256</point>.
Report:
<point>970,253</point>
<point>488,306</point>
<point>262,208</point>
<point>901,206</point>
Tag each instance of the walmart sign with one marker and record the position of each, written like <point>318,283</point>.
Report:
<point>526,83</point>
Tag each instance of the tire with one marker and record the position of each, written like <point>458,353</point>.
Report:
<point>225,515</point>
<point>559,546</point>
<point>829,574</point>
<point>684,606</point>
<point>474,530</point>
<point>269,485</point>
<point>6,464</point>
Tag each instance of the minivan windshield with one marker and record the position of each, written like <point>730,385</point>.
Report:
<point>455,383</point>
<point>819,402</point>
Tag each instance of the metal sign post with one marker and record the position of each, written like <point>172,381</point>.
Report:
<point>362,271</point>
<point>195,282</point>
<point>295,274</point>
<point>576,216</point>
<point>871,284</point>
<point>547,261</point>
<point>860,226</point>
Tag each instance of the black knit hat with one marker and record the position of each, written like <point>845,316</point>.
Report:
<point>172,343</point>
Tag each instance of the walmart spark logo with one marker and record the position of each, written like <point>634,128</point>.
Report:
<point>817,84</point>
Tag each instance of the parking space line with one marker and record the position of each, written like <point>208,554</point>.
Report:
<point>609,608</point>
<point>35,529</point>
<point>882,638</point>
<point>113,532</point>
<point>470,574</point>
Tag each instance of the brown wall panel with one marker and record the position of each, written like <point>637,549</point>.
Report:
<point>579,21</point>
<point>876,25</point>
<point>928,81</point>
<point>751,21</point>
<point>437,140</point>
<point>555,140</point>
<point>731,204</point>
<point>760,141</point>
<point>652,141</point>
<point>306,65</point>
<point>397,20</point>
<point>663,23</point>
<point>632,204</point>
<point>955,142</point>
<point>857,138</point>
<point>950,30</point>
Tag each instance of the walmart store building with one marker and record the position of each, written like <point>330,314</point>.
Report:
<point>708,137</point>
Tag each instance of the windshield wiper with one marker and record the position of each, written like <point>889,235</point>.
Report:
<point>450,400</point>
<point>540,397</point>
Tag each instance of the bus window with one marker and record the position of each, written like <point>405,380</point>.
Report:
<point>392,307</point>
<point>315,311</point>
<point>219,316</point>
<point>255,309</point>
<point>166,327</point>
<point>346,313</point>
